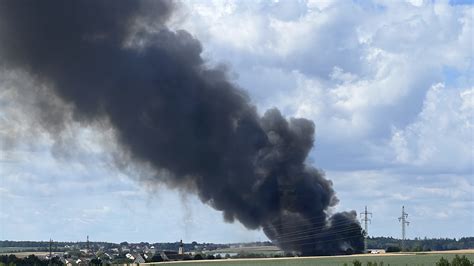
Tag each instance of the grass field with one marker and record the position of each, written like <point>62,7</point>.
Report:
<point>28,253</point>
<point>15,249</point>
<point>426,259</point>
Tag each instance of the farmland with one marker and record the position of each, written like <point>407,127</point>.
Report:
<point>421,258</point>
<point>28,253</point>
<point>16,249</point>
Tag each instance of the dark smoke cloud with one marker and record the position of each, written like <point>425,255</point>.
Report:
<point>172,112</point>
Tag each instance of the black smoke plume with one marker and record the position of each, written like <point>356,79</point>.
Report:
<point>117,61</point>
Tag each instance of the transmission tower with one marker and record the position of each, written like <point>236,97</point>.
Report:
<point>365,218</point>
<point>403,220</point>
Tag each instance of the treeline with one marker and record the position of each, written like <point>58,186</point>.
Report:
<point>456,261</point>
<point>418,244</point>
<point>10,243</point>
<point>56,246</point>
<point>188,246</point>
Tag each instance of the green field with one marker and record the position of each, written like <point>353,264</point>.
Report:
<point>413,259</point>
<point>15,249</point>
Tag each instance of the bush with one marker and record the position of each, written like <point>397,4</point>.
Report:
<point>457,261</point>
<point>442,262</point>
<point>461,261</point>
<point>357,263</point>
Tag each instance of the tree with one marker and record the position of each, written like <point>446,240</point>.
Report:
<point>33,260</point>
<point>442,262</point>
<point>56,262</point>
<point>96,261</point>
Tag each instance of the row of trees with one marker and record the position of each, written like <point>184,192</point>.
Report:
<point>456,261</point>
<point>56,246</point>
<point>418,244</point>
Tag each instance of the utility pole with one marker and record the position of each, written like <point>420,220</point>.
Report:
<point>87,244</point>
<point>365,218</point>
<point>50,246</point>
<point>403,220</point>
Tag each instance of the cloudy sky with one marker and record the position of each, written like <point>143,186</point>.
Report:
<point>389,86</point>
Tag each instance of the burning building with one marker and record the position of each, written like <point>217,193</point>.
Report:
<point>119,64</point>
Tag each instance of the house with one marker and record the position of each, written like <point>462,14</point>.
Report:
<point>168,255</point>
<point>138,258</point>
<point>79,262</point>
<point>84,250</point>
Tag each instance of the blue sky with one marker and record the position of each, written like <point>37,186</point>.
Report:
<point>389,85</point>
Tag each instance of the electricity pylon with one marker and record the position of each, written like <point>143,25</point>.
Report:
<point>403,220</point>
<point>366,219</point>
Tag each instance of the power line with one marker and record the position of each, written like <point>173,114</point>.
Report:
<point>403,220</point>
<point>316,236</point>
<point>305,222</point>
<point>366,219</point>
<point>329,240</point>
<point>318,228</point>
<point>336,229</point>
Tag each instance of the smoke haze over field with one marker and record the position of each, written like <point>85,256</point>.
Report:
<point>120,64</point>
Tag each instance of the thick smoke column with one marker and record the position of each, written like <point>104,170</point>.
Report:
<point>169,110</point>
